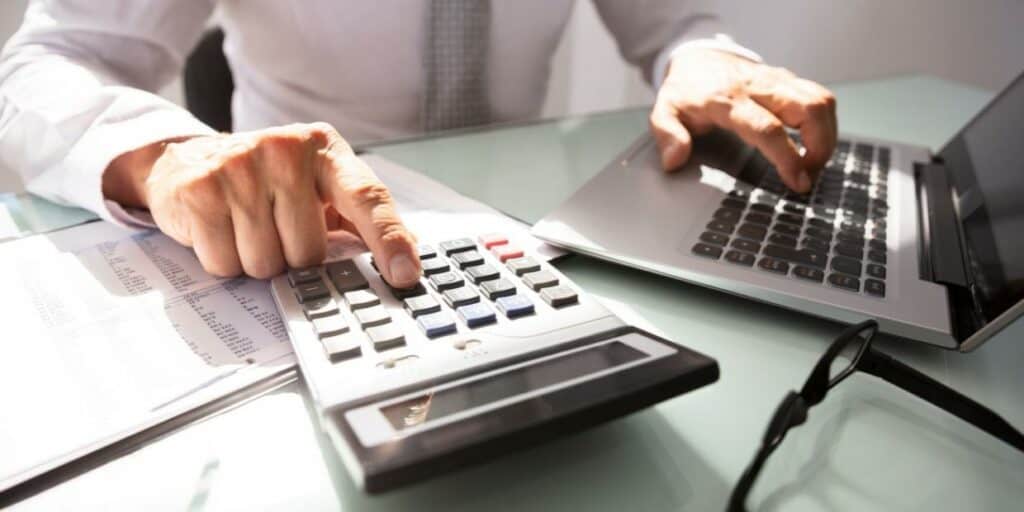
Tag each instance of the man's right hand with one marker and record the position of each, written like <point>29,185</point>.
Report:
<point>254,202</point>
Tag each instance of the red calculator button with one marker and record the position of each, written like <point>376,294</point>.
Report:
<point>492,239</point>
<point>506,252</point>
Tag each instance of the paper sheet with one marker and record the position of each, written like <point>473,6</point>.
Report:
<point>106,332</point>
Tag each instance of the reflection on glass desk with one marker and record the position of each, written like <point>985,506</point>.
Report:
<point>869,447</point>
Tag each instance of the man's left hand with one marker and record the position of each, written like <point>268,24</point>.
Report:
<point>706,88</point>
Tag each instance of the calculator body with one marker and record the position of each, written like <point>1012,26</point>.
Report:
<point>435,400</point>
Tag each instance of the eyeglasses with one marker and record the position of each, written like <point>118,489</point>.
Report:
<point>792,412</point>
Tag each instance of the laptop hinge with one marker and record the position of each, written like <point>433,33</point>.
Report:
<point>941,249</point>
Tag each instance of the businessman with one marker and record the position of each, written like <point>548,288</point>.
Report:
<point>79,120</point>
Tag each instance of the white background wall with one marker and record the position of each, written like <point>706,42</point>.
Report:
<point>979,42</point>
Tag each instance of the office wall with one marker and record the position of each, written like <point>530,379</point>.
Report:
<point>979,42</point>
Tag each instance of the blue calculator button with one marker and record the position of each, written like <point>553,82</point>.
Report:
<point>514,305</point>
<point>477,314</point>
<point>436,324</point>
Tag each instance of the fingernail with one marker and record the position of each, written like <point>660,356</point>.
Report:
<point>803,181</point>
<point>668,155</point>
<point>403,270</point>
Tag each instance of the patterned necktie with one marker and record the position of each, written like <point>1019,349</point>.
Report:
<point>455,63</point>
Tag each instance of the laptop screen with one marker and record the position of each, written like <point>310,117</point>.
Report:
<point>987,163</point>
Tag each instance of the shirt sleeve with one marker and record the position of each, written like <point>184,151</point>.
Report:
<point>649,32</point>
<point>76,85</point>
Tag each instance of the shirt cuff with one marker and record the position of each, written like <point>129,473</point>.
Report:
<point>721,42</point>
<point>83,178</point>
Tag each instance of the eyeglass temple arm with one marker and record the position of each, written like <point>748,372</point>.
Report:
<point>940,395</point>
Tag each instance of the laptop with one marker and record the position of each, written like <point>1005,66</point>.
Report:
<point>930,245</point>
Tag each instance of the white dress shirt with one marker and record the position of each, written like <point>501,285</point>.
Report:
<point>77,79</point>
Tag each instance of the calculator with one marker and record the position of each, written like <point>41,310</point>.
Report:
<point>493,350</point>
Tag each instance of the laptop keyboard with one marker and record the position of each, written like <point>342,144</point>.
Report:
<point>835,235</point>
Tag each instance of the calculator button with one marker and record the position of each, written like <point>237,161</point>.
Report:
<point>514,306</point>
<point>520,266</point>
<point>421,305</point>
<point>506,252</point>
<point>481,273</point>
<point>345,276</point>
<point>477,314</point>
<point>445,281</point>
<point>467,259</point>
<point>492,239</point>
<point>708,251</point>
<point>342,347</point>
<point>320,308</point>
<point>460,297</point>
<point>498,288</point>
<point>453,246</point>
<point>426,251</point>
<point>370,317</point>
<point>297,276</point>
<point>434,266</point>
<point>405,293</point>
<point>359,299</point>
<point>436,324</point>
<point>386,336</point>
<point>558,296</point>
<point>311,291</point>
<point>541,279</point>
<point>327,326</point>
<point>875,287</point>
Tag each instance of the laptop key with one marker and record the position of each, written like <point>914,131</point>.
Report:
<point>814,244</point>
<point>808,273</point>
<point>850,237</point>
<point>786,229</point>
<point>780,239</point>
<point>795,209</point>
<point>875,270</point>
<point>845,282</point>
<point>735,204</point>
<point>874,287</point>
<point>714,238</point>
<point>790,218</point>
<point>727,215</point>
<point>758,218</point>
<point>818,233</point>
<point>773,265</point>
<point>721,227</point>
<point>746,245</point>
<point>849,250</point>
<point>708,251</point>
<point>801,257</point>
<point>740,258</point>
<point>877,256</point>
<point>752,231</point>
<point>763,208</point>
<point>846,266</point>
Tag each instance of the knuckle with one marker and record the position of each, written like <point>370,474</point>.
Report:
<point>767,127</point>
<point>265,268</point>
<point>369,195</point>
<point>202,193</point>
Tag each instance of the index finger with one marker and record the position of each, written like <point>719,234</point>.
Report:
<point>761,129</point>
<point>358,195</point>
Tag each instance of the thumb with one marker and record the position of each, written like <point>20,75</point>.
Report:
<point>674,141</point>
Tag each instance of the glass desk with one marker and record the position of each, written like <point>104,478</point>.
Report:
<point>868,447</point>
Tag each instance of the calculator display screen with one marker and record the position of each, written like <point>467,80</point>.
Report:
<point>475,393</point>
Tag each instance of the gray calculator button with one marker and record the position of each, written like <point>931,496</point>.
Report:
<point>320,308</point>
<point>345,276</point>
<point>481,273</point>
<point>372,316</point>
<point>453,246</point>
<point>558,296</point>
<point>538,280</point>
<point>297,276</point>
<point>421,305</point>
<point>360,299</point>
<point>434,266</point>
<point>328,326</point>
<point>460,297</point>
<point>311,291</point>
<point>520,266</point>
<point>498,288</point>
<point>386,336</point>
<point>342,347</point>
<point>445,281</point>
<point>426,251</point>
<point>467,259</point>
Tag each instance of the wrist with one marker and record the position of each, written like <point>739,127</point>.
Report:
<point>124,180</point>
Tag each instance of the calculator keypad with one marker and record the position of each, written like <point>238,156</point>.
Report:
<point>465,285</point>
